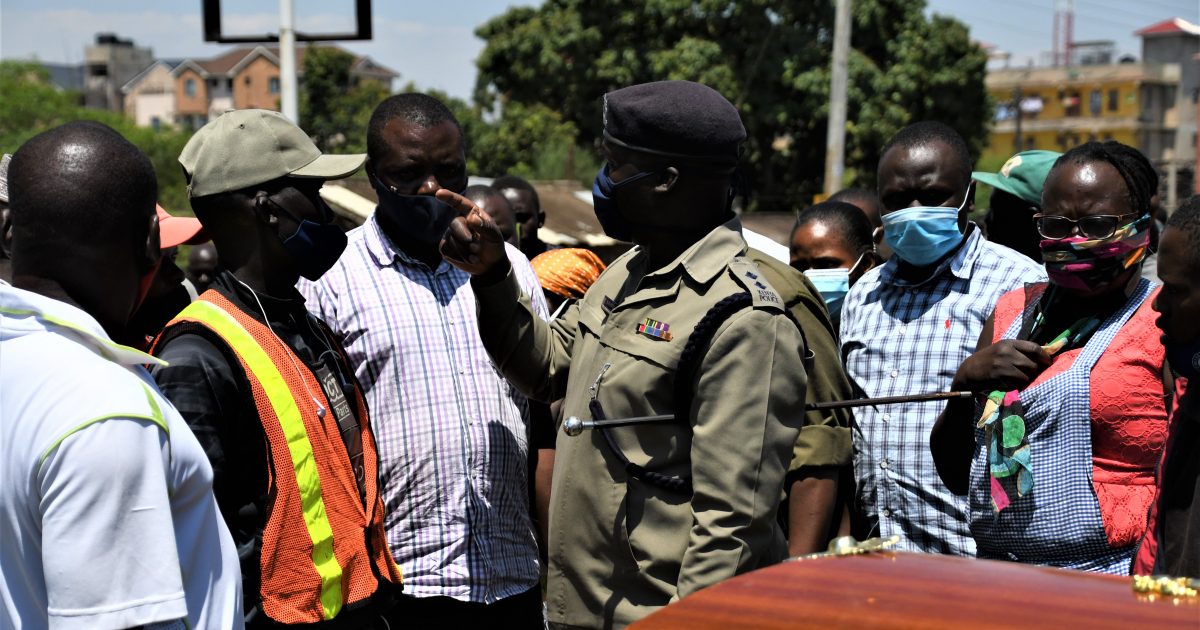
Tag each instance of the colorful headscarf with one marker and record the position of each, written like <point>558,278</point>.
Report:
<point>567,272</point>
<point>1003,422</point>
<point>1080,263</point>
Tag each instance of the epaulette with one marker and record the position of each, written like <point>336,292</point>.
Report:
<point>762,294</point>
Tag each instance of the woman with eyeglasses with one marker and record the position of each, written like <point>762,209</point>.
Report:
<point>1057,453</point>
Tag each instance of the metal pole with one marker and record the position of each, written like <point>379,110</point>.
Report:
<point>1018,144</point>
<point>835,137</point>
<point>288,100</point>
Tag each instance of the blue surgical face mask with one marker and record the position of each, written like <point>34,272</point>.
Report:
<point>920,236</point>
<point>314,246</point>
<point>833,284</point>
<point>604,199</point>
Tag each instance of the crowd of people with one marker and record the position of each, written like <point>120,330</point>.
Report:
<point>335,430</point>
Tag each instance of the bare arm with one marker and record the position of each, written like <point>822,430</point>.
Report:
<point>812,498</point>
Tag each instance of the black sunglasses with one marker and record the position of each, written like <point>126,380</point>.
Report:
<point>1054,227</point>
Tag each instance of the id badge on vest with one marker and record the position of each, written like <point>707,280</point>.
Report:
<point>344,416</point>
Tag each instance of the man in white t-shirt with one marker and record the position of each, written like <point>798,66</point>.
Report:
<point>106,503</point>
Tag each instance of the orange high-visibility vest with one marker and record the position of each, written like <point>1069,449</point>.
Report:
<point>321,549</point>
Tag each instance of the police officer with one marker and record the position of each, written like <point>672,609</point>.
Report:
<point>682,324</point>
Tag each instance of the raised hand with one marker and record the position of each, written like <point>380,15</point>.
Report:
<point>473,243</point>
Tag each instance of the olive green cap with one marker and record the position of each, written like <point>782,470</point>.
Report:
<point>242,148</point>
<point>1023,175</point>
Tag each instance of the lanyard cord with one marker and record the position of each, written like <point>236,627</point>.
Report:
<point>267,321</point>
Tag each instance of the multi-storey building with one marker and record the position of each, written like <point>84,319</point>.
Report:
<point>1149,104</point>
<point>244,78</point>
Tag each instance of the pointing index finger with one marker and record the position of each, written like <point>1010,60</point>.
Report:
<point>460,203</point>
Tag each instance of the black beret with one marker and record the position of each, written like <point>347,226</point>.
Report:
<point>674,118</point>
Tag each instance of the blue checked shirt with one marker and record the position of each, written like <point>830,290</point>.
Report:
<point>902,338</point>
<point>451,431</point>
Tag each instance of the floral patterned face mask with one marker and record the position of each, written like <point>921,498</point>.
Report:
<point>1083,264</point>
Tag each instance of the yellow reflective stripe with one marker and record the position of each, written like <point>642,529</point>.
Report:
<point>155,417</point>
<point>303,462</point>
<point>108,349</point>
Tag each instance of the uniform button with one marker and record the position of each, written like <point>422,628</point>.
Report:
<point>885,513</point>
<point>462,370</point>
<point>894,373</point>
<point>883,464</point>
<point>887,417</point>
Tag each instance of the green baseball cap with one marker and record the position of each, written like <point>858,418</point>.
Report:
<point>1023,175</point>
<point>242,148</point>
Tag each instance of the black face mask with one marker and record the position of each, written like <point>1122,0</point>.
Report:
<point>422,219</point>
<point>315,247</point>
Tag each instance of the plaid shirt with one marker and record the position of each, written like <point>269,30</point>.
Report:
<point>903,338</point>
<point>451,431</point>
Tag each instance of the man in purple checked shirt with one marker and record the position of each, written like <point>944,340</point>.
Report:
<point>452,433</point>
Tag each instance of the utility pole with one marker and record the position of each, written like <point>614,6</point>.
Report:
<point>835,138</point>
<point>1018,145</point>
<point>288,101</point>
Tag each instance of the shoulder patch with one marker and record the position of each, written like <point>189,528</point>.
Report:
<point>748,275</point>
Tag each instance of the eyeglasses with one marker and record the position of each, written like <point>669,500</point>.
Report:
<point>1095,227</point>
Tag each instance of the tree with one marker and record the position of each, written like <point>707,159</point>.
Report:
<point>770,58</point>
<point>532,141</point>
<point>32,105</point>
<point>335,105</point>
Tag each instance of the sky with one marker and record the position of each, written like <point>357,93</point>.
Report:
<point>432,43</point>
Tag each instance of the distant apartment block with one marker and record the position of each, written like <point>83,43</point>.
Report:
<point>150,96</point>
<point>109,64</point>
<point>1150,104</point>
<point>244,78</point>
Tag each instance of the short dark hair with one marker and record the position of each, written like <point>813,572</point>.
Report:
<point>476,192</point>
<point>1141,180</point>
<point>101,192</point>
<point>420,109</point>
<point>851,224</point>
<point>1186,219</point>
<point>854,194</point>
<point>927,132</point>
<point>517,183</point>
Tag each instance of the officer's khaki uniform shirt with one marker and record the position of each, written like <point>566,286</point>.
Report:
<point>825,440</point>
<point>620,548</point>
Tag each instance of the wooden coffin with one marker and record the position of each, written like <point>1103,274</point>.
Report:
<point>892,590</point>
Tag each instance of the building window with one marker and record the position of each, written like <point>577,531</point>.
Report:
<point>1071,104</point>
<point>1113,100</point>
<point>1095,102</point>
<point>273,85</point>
<point>189,87</point>
<point>155,123</point>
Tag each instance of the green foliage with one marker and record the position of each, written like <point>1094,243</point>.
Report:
<point>335,105</point>
<point>770,58</point>
<point>31,105</point>
<point>532,141</point>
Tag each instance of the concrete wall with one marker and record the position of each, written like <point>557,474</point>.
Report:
<point>152,110</point>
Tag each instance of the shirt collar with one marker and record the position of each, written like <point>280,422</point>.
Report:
<point>960,265</point>
<point>710,255</point>
<point>31,312</point>
<point>384,251</point>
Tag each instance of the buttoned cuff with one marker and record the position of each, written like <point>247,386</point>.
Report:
<point>822,445</point>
